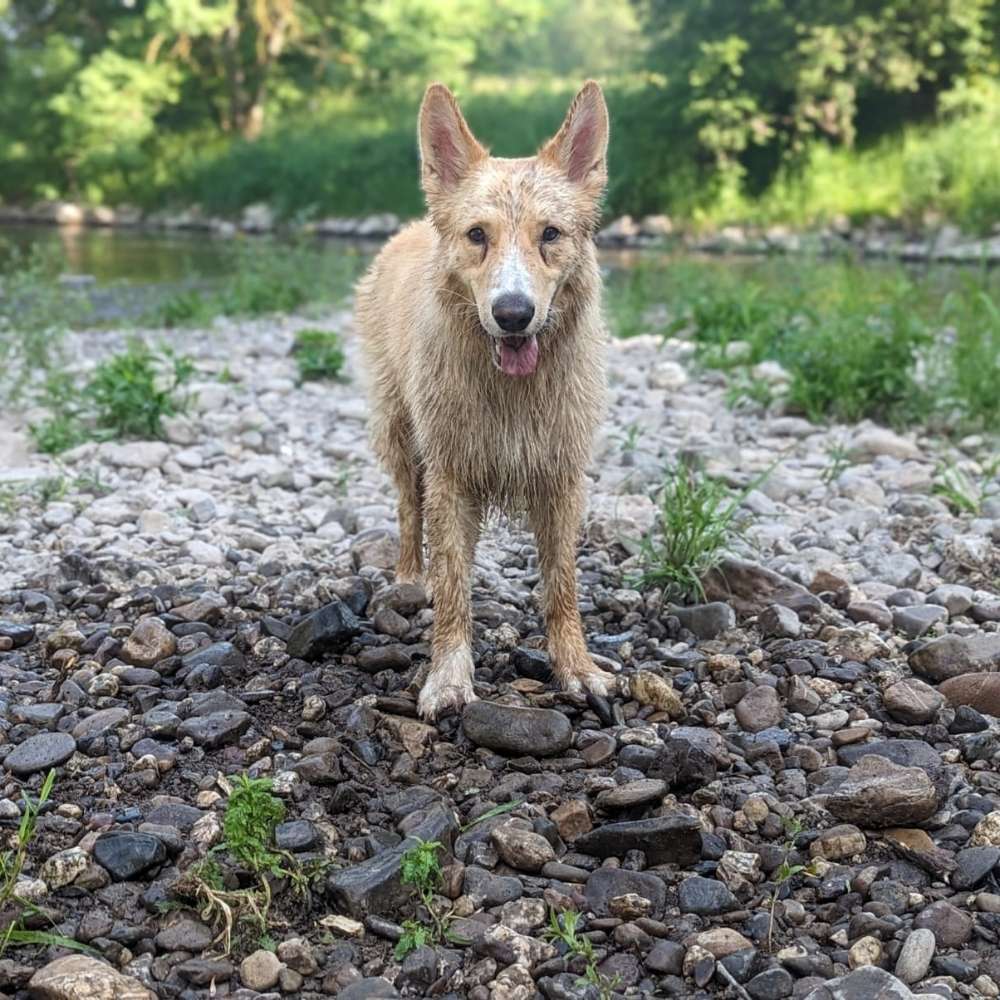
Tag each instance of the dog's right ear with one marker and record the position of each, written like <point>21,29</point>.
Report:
<point>448,149</point>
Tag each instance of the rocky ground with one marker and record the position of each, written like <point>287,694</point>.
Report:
<point>795,793</point>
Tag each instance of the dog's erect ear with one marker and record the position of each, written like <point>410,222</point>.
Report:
<point>580,147</point>
<point>448,149</point>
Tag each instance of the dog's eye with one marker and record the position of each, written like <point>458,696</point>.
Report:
<point>550,234</point>
<point>476,234</point>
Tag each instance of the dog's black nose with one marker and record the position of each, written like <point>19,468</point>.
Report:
<point>513,312</point>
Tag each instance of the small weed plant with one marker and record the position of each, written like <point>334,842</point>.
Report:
<point>786,871</point>
<point>420,869</point>
<point>696,521</point>
<point>242,916</point>
<point>318,354</point>
<point>127,396</point>
<point>564,929</point>
<point>13,909</point>
<point>252,813</point>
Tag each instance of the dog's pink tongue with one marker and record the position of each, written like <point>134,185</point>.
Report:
<point>521,359</point>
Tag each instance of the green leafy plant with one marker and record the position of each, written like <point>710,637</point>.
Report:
<point>242,916</point>
<point>420,868</point>
<point>133,391</point>
<point>318,354</point>
<point>564,928</point>
<point>13,909</point>
<point>694,525</point>
<point>128,395</point>
<point>252,813</point>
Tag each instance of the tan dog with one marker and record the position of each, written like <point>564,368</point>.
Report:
<point>483,335</point>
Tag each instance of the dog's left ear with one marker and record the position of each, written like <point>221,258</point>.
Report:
<point>580,147</point>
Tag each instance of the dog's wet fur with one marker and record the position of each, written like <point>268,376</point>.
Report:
<point>484,342</point>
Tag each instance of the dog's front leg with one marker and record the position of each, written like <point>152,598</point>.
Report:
<point>452,521</point>
<point>556,516</point>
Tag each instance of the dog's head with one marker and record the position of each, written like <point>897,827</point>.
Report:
<point>513,230</point>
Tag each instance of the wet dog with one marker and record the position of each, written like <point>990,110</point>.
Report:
<point>482,330</point>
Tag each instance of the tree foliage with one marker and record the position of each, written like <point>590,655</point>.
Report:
<point>113,100</point>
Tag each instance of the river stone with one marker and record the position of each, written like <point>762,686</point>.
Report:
<point>705,896</point>
<point>760,709</point>
<point>706,621</point>
<point>749,588</point>
<point>524,850</point>
<point>879,793</point>
<point>869,983</point>
<point>839,842</point>
<point>607,884</point>
<point>372,988</point>
<point>39,753</point>
<point>329,628</point>
<point>100,723</point>
<point>915,955</point>
<point>80,977</point>
<point>522,732</point>
<point>260,970</point>
<point>185,935</point>
<point>952,927</point>
<point>666,840</point>
<point>18,633</point>
<point>215,730</point>
<point>980,691</point>
<point>912,701</point>
<point>972,865</point>
<point>913,621</point>
<point>953,655</point>
<point>150,642</point>
<point>905,753</point>
<point>126,855</point>
<point>632,793</point>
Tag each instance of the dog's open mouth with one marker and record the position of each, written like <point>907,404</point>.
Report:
<point>516,355</point>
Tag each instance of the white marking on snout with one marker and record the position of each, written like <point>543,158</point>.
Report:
<point>512,278</point>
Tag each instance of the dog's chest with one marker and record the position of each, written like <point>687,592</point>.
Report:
<point>503,442</point>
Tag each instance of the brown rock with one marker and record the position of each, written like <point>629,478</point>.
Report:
<point>980,691</point>
<point>572,819</point>
<point>879,793</point>
<point>913,702</point>
<point>150,642</point>
<point>839,842</point>
<point>760,709</point>
<point>80,977</point>
<point>954,655</point>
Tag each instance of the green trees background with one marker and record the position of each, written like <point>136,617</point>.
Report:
<point>766,110</point>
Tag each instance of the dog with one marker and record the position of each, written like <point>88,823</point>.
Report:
<point>483,337</point>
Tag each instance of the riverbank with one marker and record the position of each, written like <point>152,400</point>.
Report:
<point>877,239</point>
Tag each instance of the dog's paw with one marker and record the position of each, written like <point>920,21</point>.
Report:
<point>435,702</point>
<point>448,685</point>
<point>594,680</point>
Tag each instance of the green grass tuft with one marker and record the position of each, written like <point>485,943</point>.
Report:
<point>695,524</point>
<point>318,354</point>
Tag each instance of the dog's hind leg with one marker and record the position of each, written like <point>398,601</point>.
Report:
<point>394,445</point>
<point>453,524</point>
<point>555,516</point>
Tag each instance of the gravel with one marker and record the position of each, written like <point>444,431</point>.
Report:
<point>816,739</point>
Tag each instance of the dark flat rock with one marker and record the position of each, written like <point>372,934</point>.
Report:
<point>665,840</point>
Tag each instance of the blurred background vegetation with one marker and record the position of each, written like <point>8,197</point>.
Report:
<point>724,110</point>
